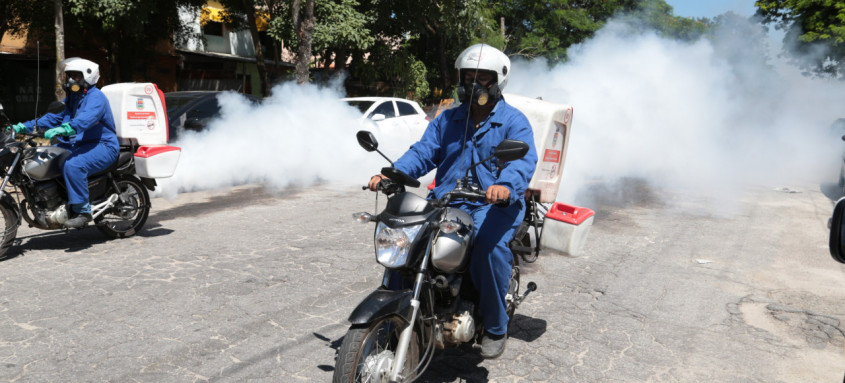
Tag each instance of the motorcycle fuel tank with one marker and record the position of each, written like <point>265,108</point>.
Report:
<point>45,163</point>
<point>449,252</point>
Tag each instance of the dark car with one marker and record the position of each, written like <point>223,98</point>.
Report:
<point>192,110</point>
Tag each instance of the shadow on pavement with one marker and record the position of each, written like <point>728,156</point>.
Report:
<point>70,241</point>
<point>235,199</point>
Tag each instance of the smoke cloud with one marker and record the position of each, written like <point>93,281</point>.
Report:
<point>301,136</point>
<point>706,118</point>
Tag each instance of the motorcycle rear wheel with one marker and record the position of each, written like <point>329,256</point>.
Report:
<point>513,288</point>
<point>130,212</point>
<point>367,353</point>
<point>10,229</point>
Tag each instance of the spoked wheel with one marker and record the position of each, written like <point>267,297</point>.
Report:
<point>129,213</point>
<point>367,353</point>
<point>10,229</point>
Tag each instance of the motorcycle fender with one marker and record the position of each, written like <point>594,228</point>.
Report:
<point>10,204</point>
<point>381,303</point>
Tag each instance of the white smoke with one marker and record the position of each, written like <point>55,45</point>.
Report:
<point>301,136</point>
<point>708,117</point>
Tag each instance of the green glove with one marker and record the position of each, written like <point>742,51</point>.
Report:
<point>19,127</point>
<point>61,130</point>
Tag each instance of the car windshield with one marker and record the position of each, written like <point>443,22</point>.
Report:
<point>174,102</point>
<point>361,105</point>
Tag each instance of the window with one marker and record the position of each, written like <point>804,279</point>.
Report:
<point>406,109</point>
<point>385,108</point>
<point>212,28</point>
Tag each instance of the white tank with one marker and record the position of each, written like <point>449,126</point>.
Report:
<point>139,112</point>
<point>551,123</point>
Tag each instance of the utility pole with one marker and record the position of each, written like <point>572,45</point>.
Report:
<point>60,48</point>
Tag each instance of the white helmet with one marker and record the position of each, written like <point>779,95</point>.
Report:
<point>485,57</point>
<point>90,70</point>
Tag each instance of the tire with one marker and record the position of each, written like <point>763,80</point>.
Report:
<point>367,352</point>
<point>130,212</point>
<point>10,229</point>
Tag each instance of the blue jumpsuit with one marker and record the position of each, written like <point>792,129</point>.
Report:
<point>441,147</point>
<point>93,148</point>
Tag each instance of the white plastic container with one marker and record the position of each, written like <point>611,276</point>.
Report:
<point>565,229</point>
<point>551,123</point>
<point>158,161</point>
<point>139,112</point>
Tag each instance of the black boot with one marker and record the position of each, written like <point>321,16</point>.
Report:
<point>80,220</point>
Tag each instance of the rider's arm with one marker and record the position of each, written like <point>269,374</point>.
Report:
<point>92,109</point>
<point>422,157</point>
<point>516,175</point>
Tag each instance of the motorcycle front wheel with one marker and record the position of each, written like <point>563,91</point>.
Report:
<point>129,213</point>
<point>367,353</point>
<point>10,229</point>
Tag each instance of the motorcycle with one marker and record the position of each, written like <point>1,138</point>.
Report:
<point>394,333</point>
<point>33,190</point>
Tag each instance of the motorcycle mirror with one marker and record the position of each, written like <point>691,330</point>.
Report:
<point>401,177</point>
<point>843,138</point>
<point>56,107</point>
<point>837,231</point>
<point>509,150</point>
<point>367,140</point>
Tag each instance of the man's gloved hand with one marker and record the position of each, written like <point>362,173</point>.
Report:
<point>61,130</point>
<point>19,127</point>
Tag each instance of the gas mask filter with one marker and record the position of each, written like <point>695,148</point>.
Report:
<point>478,94</point>
<point>72,85</point>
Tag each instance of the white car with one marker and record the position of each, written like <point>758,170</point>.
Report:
<point>392,113</point>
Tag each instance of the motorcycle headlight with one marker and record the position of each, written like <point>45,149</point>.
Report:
<point>394,244</point>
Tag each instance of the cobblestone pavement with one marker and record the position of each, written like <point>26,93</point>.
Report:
<point>255,285</point>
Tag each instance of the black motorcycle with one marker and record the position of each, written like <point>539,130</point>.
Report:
<point>33,189</point>
<point>394,333</point>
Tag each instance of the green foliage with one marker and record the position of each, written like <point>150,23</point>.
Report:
<point>548,27</point>
<point>815,32</point>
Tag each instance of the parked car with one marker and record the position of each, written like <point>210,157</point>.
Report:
<point>192,110</point>
<point>391,112</point>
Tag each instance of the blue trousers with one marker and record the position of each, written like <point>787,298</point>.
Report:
<point>492,260</point>
<point>85,160</point>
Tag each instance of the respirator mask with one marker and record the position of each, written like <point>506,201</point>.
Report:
<point>479,94</point>
<point>71,85</point>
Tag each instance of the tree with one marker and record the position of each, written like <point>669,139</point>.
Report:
<point>815,32</point>
<point>549,27</point>
<point>124,30</point>
<point>247,9</point>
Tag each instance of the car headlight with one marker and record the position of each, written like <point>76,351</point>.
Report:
<point>394,244</point>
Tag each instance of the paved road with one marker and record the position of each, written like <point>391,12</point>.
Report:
<point>255,285</point>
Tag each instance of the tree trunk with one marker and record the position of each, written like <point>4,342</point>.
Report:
<point>249,9</point>
<point>443,61</point>
<point>60,48</point>
<point>305,31</point>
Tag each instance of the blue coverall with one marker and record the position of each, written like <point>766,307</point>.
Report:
<point>93,148</point>
<point>441,147</point>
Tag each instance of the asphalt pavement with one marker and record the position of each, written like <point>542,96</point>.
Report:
<point>255,285</point>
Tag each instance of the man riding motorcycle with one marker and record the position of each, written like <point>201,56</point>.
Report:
<point>86,128</point>
<point>465,135</point>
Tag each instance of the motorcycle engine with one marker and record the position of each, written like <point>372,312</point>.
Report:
<point>48,205</point>
<point>460,327</point>
<point>46,195</point>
